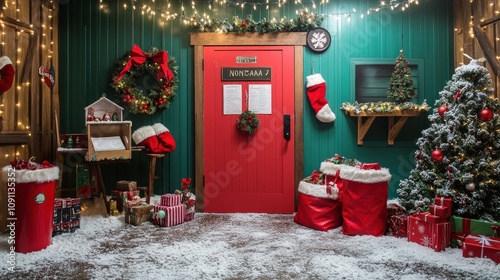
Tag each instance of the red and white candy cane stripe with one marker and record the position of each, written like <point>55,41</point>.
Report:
<point>171,199</point>
<point>174,215</point>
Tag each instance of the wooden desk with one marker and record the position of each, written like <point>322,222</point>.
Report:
<point>61,156</point>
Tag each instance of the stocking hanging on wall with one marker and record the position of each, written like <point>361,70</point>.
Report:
<point>7,74</point>
<point>316,92</point>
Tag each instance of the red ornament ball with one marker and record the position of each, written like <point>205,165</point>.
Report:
<point>486,115</point>
<point>443,109</point>
<point>437,155</point>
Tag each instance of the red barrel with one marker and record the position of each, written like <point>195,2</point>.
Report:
<point>31,207</point>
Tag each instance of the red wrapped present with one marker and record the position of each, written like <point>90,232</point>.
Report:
<point>171,199</point>
<point>365,194</point>
<point>122,197</point>
<point>429,218</point>
<point>461,227</point>
<point>168,216</point>
<point>190,210</point>
<point>394,209</point>
<point>441,211</point>
<point>481,246</point>
<point>319,205</point>
<point>398,225</point>
<point>443,201</point>
<point>433,235</point>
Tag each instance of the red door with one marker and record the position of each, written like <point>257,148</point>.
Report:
<point>245,173</point>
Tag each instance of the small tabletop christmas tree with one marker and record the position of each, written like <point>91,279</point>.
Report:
<point>401,84</point>
<point>459,154</point>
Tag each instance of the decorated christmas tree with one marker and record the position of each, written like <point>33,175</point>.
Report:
<point>459,154</point>
<point>401,84</point>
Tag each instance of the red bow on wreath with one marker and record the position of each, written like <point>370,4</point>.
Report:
<point>138,57</point>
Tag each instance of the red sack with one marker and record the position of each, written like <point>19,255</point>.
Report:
<point>319,205</point>
<point>365,194</point>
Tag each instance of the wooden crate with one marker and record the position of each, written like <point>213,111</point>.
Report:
<point>99,131</point>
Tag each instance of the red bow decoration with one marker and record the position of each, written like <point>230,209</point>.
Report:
<point>84,191</point>
<point>138,57</point>
<point>186,182</point>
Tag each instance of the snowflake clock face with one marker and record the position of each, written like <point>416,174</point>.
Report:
<point>318,39</point>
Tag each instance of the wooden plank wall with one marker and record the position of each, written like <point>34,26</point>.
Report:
<point>29,32</point>
<point>467,14</point>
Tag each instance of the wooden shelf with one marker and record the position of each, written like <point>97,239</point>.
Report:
<point>394,127</point>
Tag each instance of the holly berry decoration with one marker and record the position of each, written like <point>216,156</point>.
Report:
<point>437,155</point>
<point>486,114</point>
<point>443,109</point>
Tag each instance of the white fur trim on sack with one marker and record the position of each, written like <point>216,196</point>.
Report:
<point>143,133</point>
<point>314,79</point>
<point>4,60</point>
<point>160,128</point>
<point>317,190</point>
<point>330,168</point>
<point>365,176</point>
<point>30,176</point>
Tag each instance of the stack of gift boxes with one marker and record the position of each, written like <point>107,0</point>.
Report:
<point>125,191</point>
<point>431,229</point>
<point>67,213</point>
<point>478,239</point>
<point>170,212</point>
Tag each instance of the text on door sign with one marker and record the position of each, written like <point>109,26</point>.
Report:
<point>246,59</point>
<point>246,74</point>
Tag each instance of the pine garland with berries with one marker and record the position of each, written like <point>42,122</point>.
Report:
<point>304,22</point>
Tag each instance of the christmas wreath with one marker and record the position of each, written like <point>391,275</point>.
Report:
<point>248,122</point>
<point>140,65</point>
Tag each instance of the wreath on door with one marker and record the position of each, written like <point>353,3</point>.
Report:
<point>157,74</point>
<point>248,122</point>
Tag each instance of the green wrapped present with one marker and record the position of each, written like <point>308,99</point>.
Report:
<point>461,227</point>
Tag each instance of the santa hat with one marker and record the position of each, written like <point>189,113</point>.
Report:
<point>7,74</point>
<point>166,141</point>
<point>146,136</point>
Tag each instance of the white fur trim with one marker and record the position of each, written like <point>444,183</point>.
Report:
<point>160,128</point>
<point>30,176</point>
<point>330,168</point>
<point>314,79</point>
<point>365,176</point>
<point>4,60</point>
<point>143,133</point>
<point>317,190</point>
<point>325,114</point>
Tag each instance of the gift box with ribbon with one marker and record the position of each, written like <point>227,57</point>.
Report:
<point>461,227</point>
<point>137,213</point>
<point>428,234</point>
<point>168,216</point>
<point>481,246</point>
<point>441,211</point>
<point>122,197</point>
<point>398,225</point>
<point>170,199</point>
<point>429,218</point>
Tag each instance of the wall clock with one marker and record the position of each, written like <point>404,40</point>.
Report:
<point>318,39</point>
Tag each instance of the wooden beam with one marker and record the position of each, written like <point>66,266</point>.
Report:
<point>490,21</point>
<point>488,50</point>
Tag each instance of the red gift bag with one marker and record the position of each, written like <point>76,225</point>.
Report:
<point>365,194</point>
<point>319,205</point>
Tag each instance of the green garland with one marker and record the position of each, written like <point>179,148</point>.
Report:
<point>304,22</point>
<point>137,101</point>
<point>382,107</point>
<point>248,122</point>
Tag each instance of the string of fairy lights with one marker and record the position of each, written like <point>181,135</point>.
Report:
<point>11,22</point>
<point>167,13</point>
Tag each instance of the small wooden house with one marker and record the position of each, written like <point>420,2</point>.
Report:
<point>103,110</point>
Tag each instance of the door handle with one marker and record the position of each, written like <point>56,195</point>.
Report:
<point>286,127</point>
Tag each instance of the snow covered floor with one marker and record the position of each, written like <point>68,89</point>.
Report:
<point>235,246</point>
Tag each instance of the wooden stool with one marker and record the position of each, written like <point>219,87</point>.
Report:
<point>148,191</point>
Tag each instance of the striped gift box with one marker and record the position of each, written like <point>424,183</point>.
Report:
<point>174,215</point>
<point>171,199</point>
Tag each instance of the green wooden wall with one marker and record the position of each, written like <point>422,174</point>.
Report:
<point>93,38</point>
